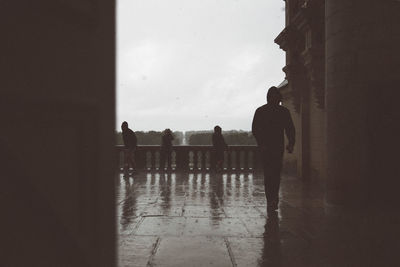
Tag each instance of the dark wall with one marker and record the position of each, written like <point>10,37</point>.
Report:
<point>57,138</point>
<point>362,80</point>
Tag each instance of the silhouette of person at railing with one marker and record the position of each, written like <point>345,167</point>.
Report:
<point>166,149</point>
<point>269,124</point>
<point>130,142</point>
<point>219,146</point>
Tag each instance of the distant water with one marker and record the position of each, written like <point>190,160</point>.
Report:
<point>184,142</point>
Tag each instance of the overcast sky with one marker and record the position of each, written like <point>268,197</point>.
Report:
<point>193,64</point>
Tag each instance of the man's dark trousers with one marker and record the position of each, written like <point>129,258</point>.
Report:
<point>272,164</point>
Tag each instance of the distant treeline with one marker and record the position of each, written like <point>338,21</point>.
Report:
<point>231,137</point>
<point>192,138</point>
<point>151,138</point>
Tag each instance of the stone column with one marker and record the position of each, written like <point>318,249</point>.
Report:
<point>362,73</point>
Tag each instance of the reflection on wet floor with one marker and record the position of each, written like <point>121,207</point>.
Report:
<point>208,219</point>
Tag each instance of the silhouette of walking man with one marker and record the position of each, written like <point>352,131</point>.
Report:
<point>130,142</point>
<point>269,124</point>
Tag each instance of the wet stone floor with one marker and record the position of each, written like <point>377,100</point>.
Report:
<point>206,219</point>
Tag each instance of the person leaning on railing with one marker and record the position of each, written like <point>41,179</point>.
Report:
<point>130,143</point>
<point>219,146</point>
<point>166,149</point>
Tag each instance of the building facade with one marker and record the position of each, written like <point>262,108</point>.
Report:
<point>303,89</point>
<point>342,66</point>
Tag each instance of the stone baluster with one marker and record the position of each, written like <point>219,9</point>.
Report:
<point>255,159</point>
<point>229,159</point>
<point>245,159</point>
<point>237,153</point>
<point>173,158</point>
<point>177,158</point>
<point>152,159</point>
<point>140,158</point>
<point>203,159</point>
<point>195,159</point>
<point>118,159</point>
<point>183,158</point>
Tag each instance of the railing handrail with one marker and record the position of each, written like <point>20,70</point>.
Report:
<point>190,146</point>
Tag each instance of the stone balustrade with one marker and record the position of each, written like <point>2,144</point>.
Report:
<point>196,158</point>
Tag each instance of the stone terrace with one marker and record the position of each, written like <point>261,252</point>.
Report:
<point>219,219</point>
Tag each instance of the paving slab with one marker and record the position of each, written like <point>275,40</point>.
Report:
<point>214,227</point>
<point>163,210</point>
<point>242,211</point>
<point>203,211</point>
<point>135,250</point>
<point>161,226</point>
<point>196,252</point>
<point>247,251</point>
